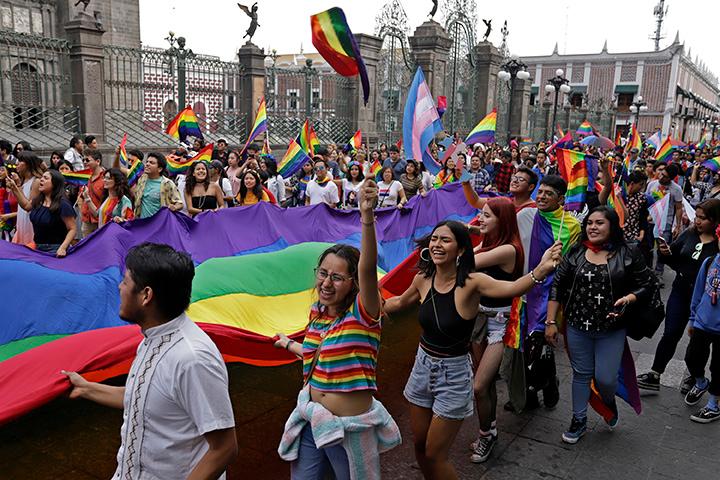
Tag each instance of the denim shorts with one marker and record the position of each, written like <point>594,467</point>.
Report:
<point>441,384</point>
<point>490,325</point>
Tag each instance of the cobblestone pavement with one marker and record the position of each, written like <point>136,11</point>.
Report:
<point>79,440</point>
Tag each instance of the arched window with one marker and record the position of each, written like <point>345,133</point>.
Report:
<point>25,90</point>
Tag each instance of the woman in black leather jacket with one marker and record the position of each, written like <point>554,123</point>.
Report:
<point>594,283</point>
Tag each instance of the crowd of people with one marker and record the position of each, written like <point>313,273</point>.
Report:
<point>596,269</point>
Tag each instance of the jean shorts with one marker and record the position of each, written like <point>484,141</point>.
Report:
<point>441,384</point>
<point>490,325</point>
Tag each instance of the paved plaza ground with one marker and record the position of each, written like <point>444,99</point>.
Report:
<point>79,440</point>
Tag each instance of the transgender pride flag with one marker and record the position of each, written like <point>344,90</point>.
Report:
<point>421,123</point>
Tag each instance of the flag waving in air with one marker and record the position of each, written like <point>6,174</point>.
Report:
<point>355,143</point>
<point>333,39</point>
<point>421,123</point>
<point>307,139</point>
<point>185,124</point>
<point>579,170</point>
<point>260,125</point>
<point>484,132</point>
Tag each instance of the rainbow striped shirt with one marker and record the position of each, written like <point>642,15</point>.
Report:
<point>348,356</point>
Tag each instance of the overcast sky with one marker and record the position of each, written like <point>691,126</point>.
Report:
<point>216,27</point>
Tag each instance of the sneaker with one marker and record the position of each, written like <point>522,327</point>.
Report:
<point>649,381</point>
<point>551,394</point>
<point>576,431</point>
<point>687,384</point>
<point>705,415</point>
<point>483,448</point>
<point>695,394</point>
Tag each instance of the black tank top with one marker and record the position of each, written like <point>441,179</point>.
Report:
<point>445,332</point>
<point>205,202</point>
<point>498,274</point>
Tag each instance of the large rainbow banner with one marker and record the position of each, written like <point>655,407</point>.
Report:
<point>254,277</point>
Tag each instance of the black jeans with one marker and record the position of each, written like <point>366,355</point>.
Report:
<point>677,314</point>
<point>697,354</point>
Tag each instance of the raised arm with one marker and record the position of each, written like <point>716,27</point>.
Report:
<point>367,268</point>
<point>502,255</point>
<point>409,297</point>
<point>23,202</point>
<point>608,178</point>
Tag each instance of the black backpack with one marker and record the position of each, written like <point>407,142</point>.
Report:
<point>644,317</point>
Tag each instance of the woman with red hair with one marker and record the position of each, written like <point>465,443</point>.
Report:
<point>499,255</point>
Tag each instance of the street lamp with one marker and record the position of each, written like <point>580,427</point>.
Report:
<point>638,106</point>
<point>510,70</point>
<point>557,84</point>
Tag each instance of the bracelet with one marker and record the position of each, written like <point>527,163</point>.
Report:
<point>290,342</point>
<point>550,322</point>
<point>534,278</point>
<point>368,223</point>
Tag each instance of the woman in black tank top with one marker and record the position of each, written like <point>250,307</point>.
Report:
<point>500,255</point>
<point>200,193</point>
<point>440,387</point>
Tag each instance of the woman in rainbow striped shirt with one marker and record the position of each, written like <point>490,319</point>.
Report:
<point>337,422</point>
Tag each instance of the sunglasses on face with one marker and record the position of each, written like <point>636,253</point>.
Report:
<point>319,169</point>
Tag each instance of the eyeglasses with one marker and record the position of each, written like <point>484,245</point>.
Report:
<point>86,160</point>
<point>322,274</point>
<point>518,179</point>
<point>698,251</point>
<point>319,168</point>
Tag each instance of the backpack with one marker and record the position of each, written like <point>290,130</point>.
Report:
<point>645,317</point>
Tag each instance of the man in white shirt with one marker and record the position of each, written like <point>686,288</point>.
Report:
<point>74,154</point>
<point>321,188</point>
<point>177,420</point>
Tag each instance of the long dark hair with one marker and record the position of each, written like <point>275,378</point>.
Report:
<point>56,195</point>
<point>466,264</point>
<point>351,255</point>
<point>190,180</point>
<point>121,185</point>
<point>616,238</point>
<point>33,162</point>
<point>257,190</point>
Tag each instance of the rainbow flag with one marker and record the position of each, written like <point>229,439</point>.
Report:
<point>713,164</point>
<point>294,159</point>
<point>123,153</point>
<point>177,165</point>
<point>259,126</point>
<point>484,131</point>
<point>517,324</point>
<point>307,139</point>
<point>355,143</point>
<point>615,200</point>
<point>634,140</point>
<point>183,125</point>
<point>135,172</point>
<point>333,39</point>
<point>79,178</point>
<point>266,146</point>
<point>665,151</point>
<point>580,172</point>
<point>375,168</point>
<point>703,140</point>
<point>585,129</point>
<point>241,313</point>
<point>618,138</point>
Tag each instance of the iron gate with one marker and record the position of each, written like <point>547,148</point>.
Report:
<point>460,21</point>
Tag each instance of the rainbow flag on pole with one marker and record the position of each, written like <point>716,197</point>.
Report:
<point>484,132</point>
<point>307,139</point>
<point>333,39</point>
<point>260,126</point>
<point>294,159</point>
<point>79,178</point>
<point>634,140</point>
<point>355,143</point>
<point>183,125</point>
<point>123,153</point>
<point>585,129</point>
<point>176,166</point>
<point>713,164</point>
<point>580,172</point>
<point>665,151</point>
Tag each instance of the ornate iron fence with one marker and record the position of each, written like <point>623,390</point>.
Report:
<point>34,91</point>
<point>460,24</point>
<point>296,94</point>
<point>141,95</point>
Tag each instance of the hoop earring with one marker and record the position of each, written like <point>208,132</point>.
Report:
<point>425,250</point>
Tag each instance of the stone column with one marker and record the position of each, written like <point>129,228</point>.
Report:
<point>252,82</point>
<point>365,116</point>
<point>521,103</point>
<point>487,65</point>
<point>87,86</point>
<point>431,47</point>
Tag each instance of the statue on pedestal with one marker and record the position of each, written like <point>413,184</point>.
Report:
<point>488,24</point>
<point>434,9</point>
<point>252,13</point>
<point>84,2</point>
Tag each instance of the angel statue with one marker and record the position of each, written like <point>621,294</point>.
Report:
<point>252,13</point>
<point>488,24</point>
<point>434,9</point>
<point>84,2</point>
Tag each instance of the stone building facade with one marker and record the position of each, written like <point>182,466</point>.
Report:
<point>680,93</point>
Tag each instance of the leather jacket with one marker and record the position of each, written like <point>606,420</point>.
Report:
<point>628,274</point>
